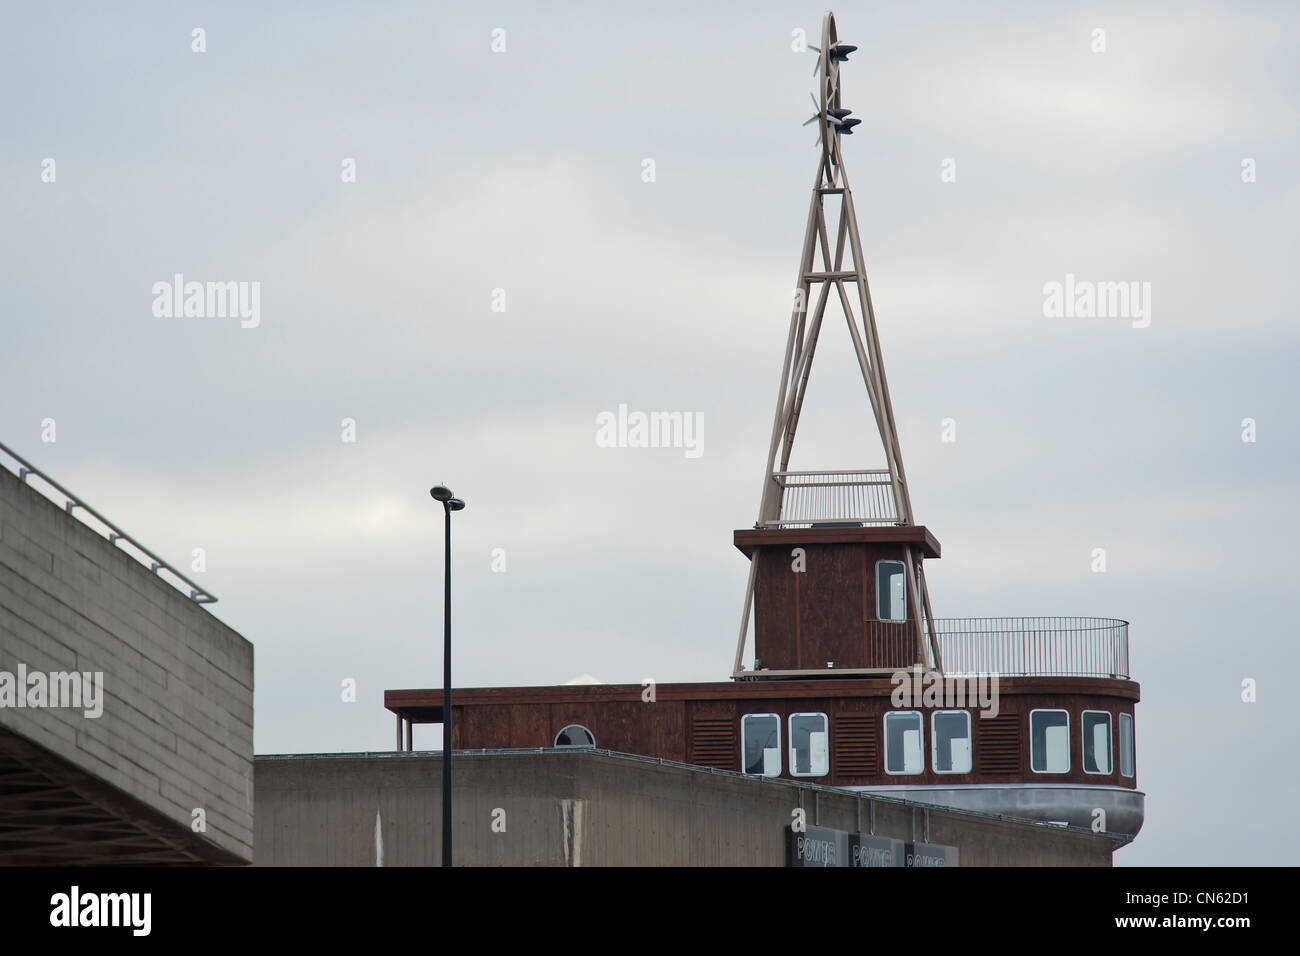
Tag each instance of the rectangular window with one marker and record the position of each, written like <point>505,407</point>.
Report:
<point>809,751</point>
<point>903,749</point>
<point>1126,745</point>
<point>950,736</point>
<point>891,591</point>
<point>760,744</point>
<point>1096,741</point>
<point>1049,741</point>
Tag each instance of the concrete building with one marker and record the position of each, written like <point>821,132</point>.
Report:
<point>126,708</point>
<point>585,807</point>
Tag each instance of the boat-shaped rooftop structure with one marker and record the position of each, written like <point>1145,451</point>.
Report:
<point>853,681</point>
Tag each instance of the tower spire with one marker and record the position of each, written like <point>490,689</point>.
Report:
<point>852,497</point>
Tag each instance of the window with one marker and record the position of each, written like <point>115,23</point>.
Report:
<point>950,737</point>
<point>575,735</point>
<point>1126,745</point>
<point>809,751</point>
<point>1049,741</point>
<point>903,753</point>
<point>760,744</point>
<point>1096,741</point>
<point>891,591</point>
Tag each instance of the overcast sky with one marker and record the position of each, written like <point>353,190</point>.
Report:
<point>522,171</point>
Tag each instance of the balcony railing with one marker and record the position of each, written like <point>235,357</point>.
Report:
<point>1034,646</point>
<point>857,497</point>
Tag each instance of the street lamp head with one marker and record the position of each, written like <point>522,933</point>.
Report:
<point>440,492</point>
<point>455,504</point>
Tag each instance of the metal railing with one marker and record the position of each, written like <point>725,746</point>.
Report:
<point>858,496</point>
<point>1034,646</point>
<point>116,536</point>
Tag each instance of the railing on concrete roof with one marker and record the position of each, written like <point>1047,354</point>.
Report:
<point>116,536</point>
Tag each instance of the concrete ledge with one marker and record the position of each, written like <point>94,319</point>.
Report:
<point>594,808</point>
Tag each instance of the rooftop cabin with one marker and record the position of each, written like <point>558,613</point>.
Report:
<point>834,599</point>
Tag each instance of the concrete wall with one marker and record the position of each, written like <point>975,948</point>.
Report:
<point>177,726</point>
<point>593,809</point>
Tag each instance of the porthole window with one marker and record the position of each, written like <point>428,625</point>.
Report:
<point>760,744</point>
<point>950,734</point>
<point>575,735</point>
<point>1126,745</point>
<point>904,753</point>
<point>1049,741</point>
<point>809,756</point>
<point>1096,742</point>
<point>891,591</point>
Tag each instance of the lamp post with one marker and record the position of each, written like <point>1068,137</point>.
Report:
<point>450,503</point>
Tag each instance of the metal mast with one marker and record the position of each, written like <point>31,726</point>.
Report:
<point>868,497</point>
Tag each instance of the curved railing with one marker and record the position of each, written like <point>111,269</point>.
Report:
<point>1034,646</point>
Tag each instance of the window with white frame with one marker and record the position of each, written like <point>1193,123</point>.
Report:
<point>1049,741</point>
<point>1126,745</point>
<point>904,753</point>
<point>760,744</point>
<point>891,591</point>
<point>1096,742</point>
<point>809,748</point>
<point>950,738</point>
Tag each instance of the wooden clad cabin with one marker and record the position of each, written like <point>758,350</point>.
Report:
<point>833,597</point>
<point>712,725</point>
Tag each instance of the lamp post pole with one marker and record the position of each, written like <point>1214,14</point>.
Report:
<point>449,504</point>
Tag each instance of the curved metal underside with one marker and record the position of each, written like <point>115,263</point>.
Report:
<point>1072,804</point>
